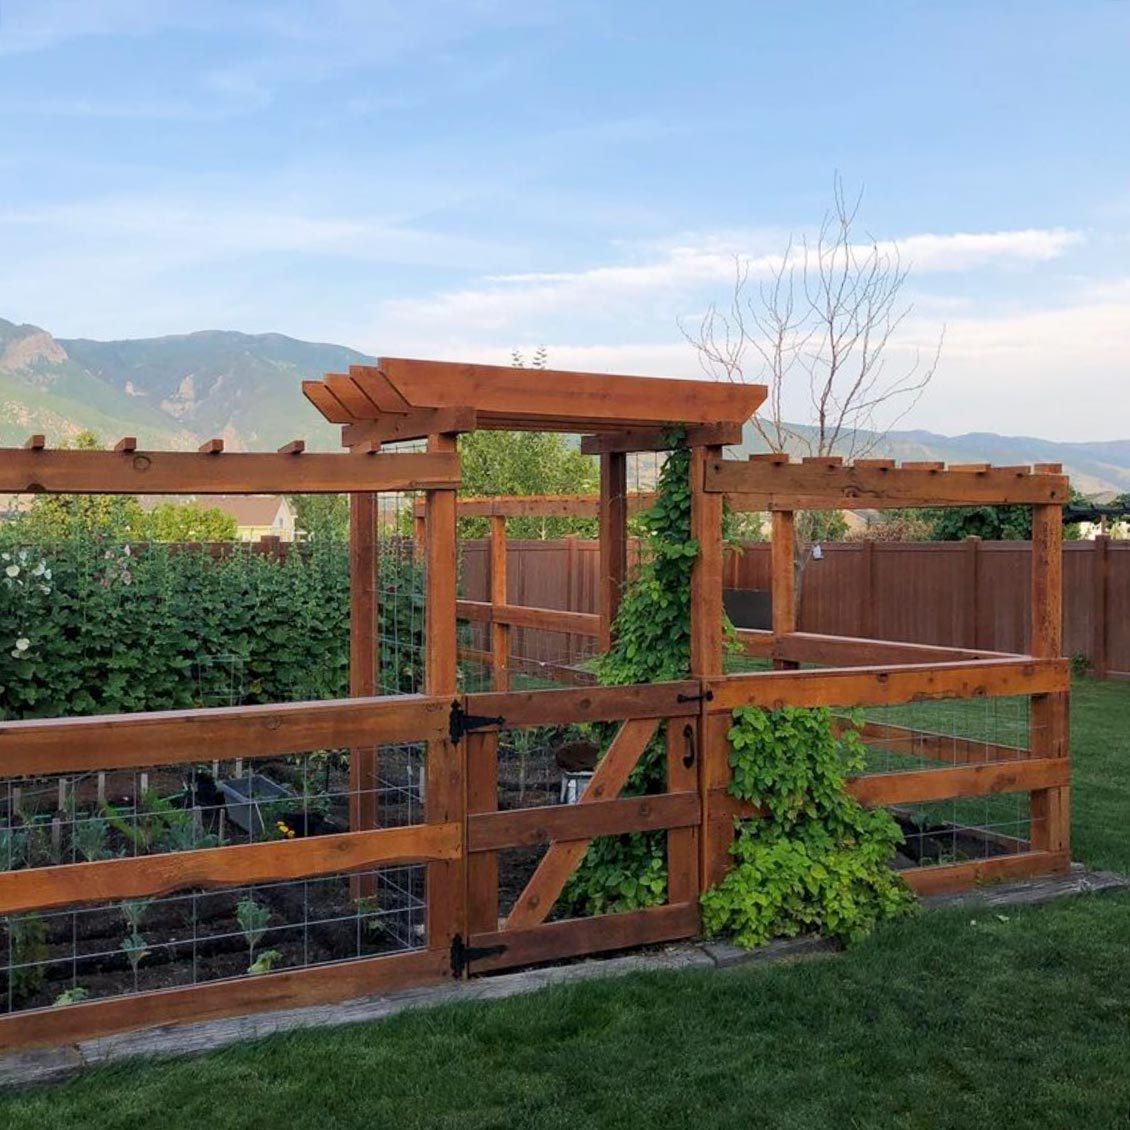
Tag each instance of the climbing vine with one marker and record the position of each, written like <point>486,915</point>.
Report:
<point>816,860</point>
<point>651,643</point>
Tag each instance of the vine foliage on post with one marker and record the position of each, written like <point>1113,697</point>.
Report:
<point>816,860</point>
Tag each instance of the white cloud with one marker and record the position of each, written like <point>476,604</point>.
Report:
<point>1057,371</point>
<point>684,270</point>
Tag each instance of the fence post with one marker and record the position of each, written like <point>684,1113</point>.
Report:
<point>1100,572</point>
<point>446,760</point>
<point>1049,811</point>
<point>706,663</point>
<point>499,633</point>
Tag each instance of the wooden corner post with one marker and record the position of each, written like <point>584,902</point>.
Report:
<point>445,801</point>
<point>1050,811</point>
<point>706,663</point>
<point>613,539</point>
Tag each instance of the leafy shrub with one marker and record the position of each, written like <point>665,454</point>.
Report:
<point>93,625</point>
<point>816,859</point>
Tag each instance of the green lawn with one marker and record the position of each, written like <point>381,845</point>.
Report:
<point>962,1018</point>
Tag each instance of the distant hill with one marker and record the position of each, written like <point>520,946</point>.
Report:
<point>168,391</point>
<point>246,388</point>
<point>1094,467</point>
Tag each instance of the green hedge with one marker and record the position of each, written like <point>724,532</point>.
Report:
<point>91,626</point>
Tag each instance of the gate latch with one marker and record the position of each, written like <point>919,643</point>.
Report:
<point>462,723</point>
<point>706,696</point>
<point>462,954</point>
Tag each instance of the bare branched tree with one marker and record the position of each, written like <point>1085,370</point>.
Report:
<point>821,321</point>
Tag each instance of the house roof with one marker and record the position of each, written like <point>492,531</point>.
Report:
<point>246,509</point>
<point>416,398</point>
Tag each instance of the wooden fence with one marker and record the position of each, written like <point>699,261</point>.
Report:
<point>972,594</point>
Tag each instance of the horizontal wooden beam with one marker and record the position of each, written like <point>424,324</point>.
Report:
<point>660,439</point>
<point>416,424</point>
<point>267,992</point>
<point>521,616</point>
<point>537,505</point>
<point>874,789</point>
<point>756,642</point>
<point>526,827</point>
<point>887,686</point>
<point>555,940</point>
<point>119,741</point>
<point>815,486</point>
<point>850,651</point>
<point>944,877</point>
<point>588,704</point>
<point>144,876</point>
<point>186,472</point>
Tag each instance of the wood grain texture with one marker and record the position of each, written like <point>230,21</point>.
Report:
<point>945,877</point>
<point>659,439</point>
<point>264,993</point>
<point>588,704</point>
<point>147,875</point>
<point>566,395</point>
<point>523,616</point>
<point>575,936</point>
<point>888,686</point>
<point>446,765</point>
<point>187,472</point>
<point>818,486</point>
<point>121,741</point>
<point>526,827</point>
<point>1050,809</point>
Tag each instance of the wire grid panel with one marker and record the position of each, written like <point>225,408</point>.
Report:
<point>84,817</point>
<point>938,733</point>
<point>961,829</point>
<point>191,938</point>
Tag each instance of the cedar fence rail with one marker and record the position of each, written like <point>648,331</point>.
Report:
<point>464,830</point>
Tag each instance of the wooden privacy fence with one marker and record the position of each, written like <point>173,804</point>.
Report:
<point>971,594</point>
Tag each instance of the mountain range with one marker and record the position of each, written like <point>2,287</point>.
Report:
<point>177,391</point>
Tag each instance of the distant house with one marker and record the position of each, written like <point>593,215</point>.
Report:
<point>256,515</point>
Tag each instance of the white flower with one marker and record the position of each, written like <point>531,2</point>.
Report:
<point>23,643</point>
<point>13,570</point>
<point>18,654</point>
<point>47,574</point>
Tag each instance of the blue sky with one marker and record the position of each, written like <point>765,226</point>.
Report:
<point>456,179</point>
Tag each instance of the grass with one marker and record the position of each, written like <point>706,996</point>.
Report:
<point>954,1019</point>
<point>957,1019</point>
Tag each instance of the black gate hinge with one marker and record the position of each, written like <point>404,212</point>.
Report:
<point>706,696</point>
<point>462,723</point>
<point>462,954</point>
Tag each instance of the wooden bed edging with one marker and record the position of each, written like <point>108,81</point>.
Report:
<point>268,992</point>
